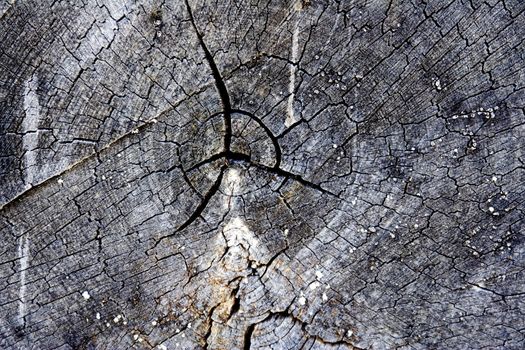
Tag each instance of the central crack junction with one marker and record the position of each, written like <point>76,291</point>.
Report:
<point>229,154</point>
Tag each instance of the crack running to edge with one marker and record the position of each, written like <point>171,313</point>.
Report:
<point>219,82</point>
<point>227,154</point>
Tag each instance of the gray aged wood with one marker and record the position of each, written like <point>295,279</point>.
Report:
<point>262,175</point>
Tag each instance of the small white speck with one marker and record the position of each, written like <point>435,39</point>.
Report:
<point>85,295</point>
<point>392,235</point>
<point>314,285</point>
<point>286,231</point>
<point>416,225</point>
<point>349,333</point>
<point>97,316</point>
<point>162,347</point>
<point>153,323</point>
<point>135,131</point>
<point>60,181</point>
<point>334,145</point>
<point>325,297</point>
<point>437,83</point>
<point>302,300</point>
<point>189,325</point>
<point>491,209</point>
<point>318,274</point>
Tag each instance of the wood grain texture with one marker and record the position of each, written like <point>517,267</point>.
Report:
<point>262,175</point>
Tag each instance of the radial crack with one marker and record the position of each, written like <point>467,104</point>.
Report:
<point>219,82</point>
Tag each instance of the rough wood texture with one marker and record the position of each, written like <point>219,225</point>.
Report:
<point>262,175</point>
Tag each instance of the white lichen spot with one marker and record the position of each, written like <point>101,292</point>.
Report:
<point>392,235</point>
<point>154,323</point>
<point>97,316</point>
<point>302,300</point>
<point>318,274</point>
<point>60,181</point>
<point>314,285</point>
<point>325,297</point>
<point>85,295</point>
<point>162,347</point>
<point>117,318</point>
<point>491,209</point>
<point>349,333</point>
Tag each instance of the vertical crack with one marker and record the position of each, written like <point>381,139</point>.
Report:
<point>219,82</point>
<point>248,336</point>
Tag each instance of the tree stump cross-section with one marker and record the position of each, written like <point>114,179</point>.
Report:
<point>262,175</point>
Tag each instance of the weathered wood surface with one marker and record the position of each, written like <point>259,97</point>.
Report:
<point>263,175</point>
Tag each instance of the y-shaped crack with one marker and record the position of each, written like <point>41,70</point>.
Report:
<point>228,154</point>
